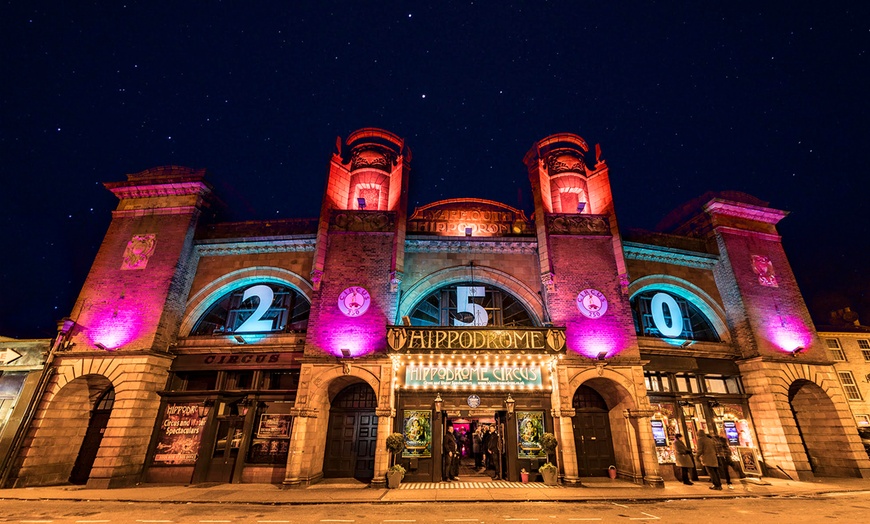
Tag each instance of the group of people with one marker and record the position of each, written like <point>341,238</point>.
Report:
<point>486,446</point>
<point>714,453</point>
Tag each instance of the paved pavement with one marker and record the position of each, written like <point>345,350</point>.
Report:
<point>340,491</point>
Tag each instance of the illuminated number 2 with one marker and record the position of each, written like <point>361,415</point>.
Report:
<point>659,302</point>
<point>253,323</point>
<point>465,305</point>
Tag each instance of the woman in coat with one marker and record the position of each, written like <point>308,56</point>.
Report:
<point>684,458</point>
<point>707,455</point>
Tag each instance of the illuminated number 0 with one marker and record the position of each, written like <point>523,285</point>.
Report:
<point>659,301</point>
<point>465,305</point>
<point>253,323</point>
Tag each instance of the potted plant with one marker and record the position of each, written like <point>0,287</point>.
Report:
<point>548,471</point>
<point>524,475</point>
<point>395,445</point>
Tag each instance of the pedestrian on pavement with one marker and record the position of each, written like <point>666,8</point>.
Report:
<point>683,458</point>
<point>494,452</point>
<point>707,455</point>
<point>723,455</point>
<point>449,457</point>
<point>477,447</point>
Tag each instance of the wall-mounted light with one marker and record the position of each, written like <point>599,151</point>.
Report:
<point>602,355</point>
<point>361,202</point>
<point>100,346</point>
<point>468,231</point>
<point>240,339</point>
<point>581,206</point>
<point>717,408</point>
<point>345,353</point>
<point>438,403</point>
<point>688,408</point>
<point>203,408</point>
<point>796,351</point>
<point>244,406</point>
<point>510,403</point>
<point>687,343</point>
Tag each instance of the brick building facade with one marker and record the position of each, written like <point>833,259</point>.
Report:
<point>287,351</point>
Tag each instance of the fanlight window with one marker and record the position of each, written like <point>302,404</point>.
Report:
<point>660,314</point>
<point>260,308</point>
<point>470,305</point>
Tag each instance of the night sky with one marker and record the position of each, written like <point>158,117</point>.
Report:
<point>771,101</point>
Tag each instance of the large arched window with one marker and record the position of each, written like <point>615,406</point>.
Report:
<point>664,315</point>
<point>258,308</point>
<point>470,305</point>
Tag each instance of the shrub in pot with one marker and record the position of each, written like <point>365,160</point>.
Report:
<point>395,445</point>
<point>550,474</point>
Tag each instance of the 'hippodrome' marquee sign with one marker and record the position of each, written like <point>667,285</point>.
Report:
<point>409,339</point>
<point>472,375</point>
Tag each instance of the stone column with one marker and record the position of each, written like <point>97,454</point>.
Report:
<point>303,420</point>
<point>382,456</point>
<point>564,427</point>
<point>640,421</point>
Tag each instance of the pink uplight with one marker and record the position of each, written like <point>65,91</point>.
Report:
<point>115,329</point>
<point>789,334</point>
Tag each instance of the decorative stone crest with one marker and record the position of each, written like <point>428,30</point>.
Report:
<point>565,162</point>
<point>371,157</point>
<point>395,281</point>
<point>571,224</point>
<point>363,221</point>
<point>139,250</point>
<point>547,279</point>
<point>763,267</point>
<point>316,278</point>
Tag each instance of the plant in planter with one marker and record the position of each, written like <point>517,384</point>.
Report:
<point>395,445</point>
<point>548,471</point>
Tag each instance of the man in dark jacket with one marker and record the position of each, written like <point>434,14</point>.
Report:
<point>707,454</point>
<point>449,457</point>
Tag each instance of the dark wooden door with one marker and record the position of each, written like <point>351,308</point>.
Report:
<point>352,435</point>
<point>97,423</point>
<point>592,437</point>
<point>225,453</point>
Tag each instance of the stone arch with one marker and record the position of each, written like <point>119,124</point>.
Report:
<point>816,426</point>
<point>199,303</point>
<point>482,274</point>
<point>619,393</point>
<point>711,309</point>
<point>326,385</point>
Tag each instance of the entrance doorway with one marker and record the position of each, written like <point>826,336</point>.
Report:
<point>484,464</point>
<point>592,436</point>
<point>821,431</point>
<point>352,434</point>
<point>228,441</point>
<point>97,423</point>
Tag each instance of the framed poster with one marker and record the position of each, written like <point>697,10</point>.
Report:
<point>180,434</point>
<point>417,428</point>
<point>274,426</point>
<point>749,462</point>
<point>530,429</point>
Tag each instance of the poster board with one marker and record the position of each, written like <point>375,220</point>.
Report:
<point>180,434</point>
<point>530,430</point>
<point>417,429</point>
<point>749,463</point>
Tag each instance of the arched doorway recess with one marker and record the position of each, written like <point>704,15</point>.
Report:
<point>592,435</point>
<point>97,423</point>
<point>821,431</point>
<point>352,434</point>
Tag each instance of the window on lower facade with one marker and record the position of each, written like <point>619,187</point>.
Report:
<point>271,437</point>
<point>721,384</point>
<point>656,381</point>
<point>194,381</point>
<point>687,383</point>
<point>835,350</point>
<point>864,346</point>
<point>850,387</point>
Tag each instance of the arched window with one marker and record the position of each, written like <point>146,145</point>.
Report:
<point>663,315</point>
<point>470,304</point>
<point>258,308</point>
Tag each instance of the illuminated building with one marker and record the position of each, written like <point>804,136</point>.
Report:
<point>286,351</point>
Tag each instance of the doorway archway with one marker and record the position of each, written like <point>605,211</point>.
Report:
<point>592,436</point>
<point>352,434</point>
<point>97,424</point>
<point>821,431</point>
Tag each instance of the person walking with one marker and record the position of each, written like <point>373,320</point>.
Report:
<point>723,455</point>
<point>683,458</point>
<point>707,455</point>
<point>449,456</point>
<point>493,449</point>
<point>477,448</point>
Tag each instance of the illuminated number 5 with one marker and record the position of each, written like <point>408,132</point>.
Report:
<point>659,302</point>
<point>465,305</point>
<point>253,323</point>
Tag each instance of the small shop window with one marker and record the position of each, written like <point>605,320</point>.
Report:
<point>282,380</point>
<point>656,381</point>
<point>721,384</point>
<point>272,428</point>
<point>236,380</point>
<point>687,383</point>
<point>194,381</point>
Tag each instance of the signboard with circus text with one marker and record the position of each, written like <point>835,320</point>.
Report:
<point>180,434</point>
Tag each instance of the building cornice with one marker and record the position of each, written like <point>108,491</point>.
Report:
<point>461,245</point>
<point>747,211</point>
<point>678,257</point>
<point>295,245</point>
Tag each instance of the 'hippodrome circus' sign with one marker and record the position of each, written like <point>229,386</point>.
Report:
<point>412,338</point>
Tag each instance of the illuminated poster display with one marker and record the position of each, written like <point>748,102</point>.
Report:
<point>530,429</point>
<point>272,440</point>
<point>731,432</point>
<point>417,428</point>
<point>180,434</point>
<point>659,434</point>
